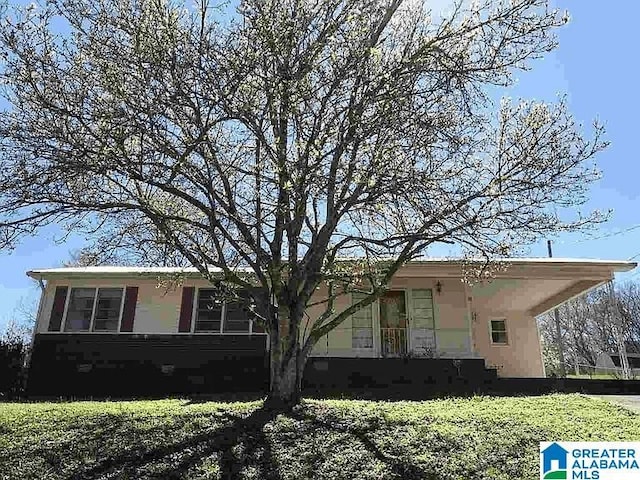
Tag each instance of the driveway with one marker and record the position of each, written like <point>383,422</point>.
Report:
<point>632,402</point>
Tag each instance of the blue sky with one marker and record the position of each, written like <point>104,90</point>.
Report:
<point>594,66</point>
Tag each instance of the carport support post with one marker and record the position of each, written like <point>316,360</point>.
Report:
<point>556,315</point>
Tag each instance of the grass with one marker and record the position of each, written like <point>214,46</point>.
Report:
<point>477,438</point>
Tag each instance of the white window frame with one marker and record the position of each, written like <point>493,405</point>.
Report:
<point>223,318</point>
<point>374,337</point>
<point>506,331</point>
<point>409,299</point>
<point>93,311</point>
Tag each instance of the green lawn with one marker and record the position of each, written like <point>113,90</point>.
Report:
<point>478,438</point>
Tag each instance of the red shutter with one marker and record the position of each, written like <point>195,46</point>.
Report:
<point>186,309</point>
<point>129,309</point>
<point>57,311</point>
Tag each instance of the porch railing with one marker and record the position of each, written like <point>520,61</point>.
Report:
<point>394,341</point>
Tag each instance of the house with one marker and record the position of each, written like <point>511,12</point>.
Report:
<point>125,331</point>
<point>609,363</point>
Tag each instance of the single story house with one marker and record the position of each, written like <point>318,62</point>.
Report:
<point>124,331</point>
<point>609,362</point>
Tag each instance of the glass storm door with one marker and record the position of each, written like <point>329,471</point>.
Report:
<point>393,324</point>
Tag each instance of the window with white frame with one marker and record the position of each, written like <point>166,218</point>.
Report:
<point>94,309</point>
<point>499,332</point>
<point>214,314</point>
<point>361,324</point>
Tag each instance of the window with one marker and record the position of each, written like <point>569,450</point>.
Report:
<point>361,324</point>
<point>94,309</point>
<point>209,311</point>
<point>236,317</point>
<point>499,332</point>
<point>215,315</point>
<point>108,309</point>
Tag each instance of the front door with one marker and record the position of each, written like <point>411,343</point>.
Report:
<point>393,324</point>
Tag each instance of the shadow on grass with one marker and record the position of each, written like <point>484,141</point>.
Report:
<point>175,460</point>
<point>241,445</point>
<point>400,467</point>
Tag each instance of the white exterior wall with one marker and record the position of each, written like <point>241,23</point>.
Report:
<point>522,355</point>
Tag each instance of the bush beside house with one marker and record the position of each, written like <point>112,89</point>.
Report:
<point>13,353</point>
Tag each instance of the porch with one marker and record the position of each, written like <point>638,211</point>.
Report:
<point>406,323</point>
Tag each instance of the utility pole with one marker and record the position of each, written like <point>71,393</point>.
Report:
<point>616,324</point>
<point>556,314</point>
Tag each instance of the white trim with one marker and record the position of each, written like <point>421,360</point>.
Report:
<point>361,350</point>
<point>223,316</point>
<point>433,329</point>
<point>92,320</point>
<point>66,308</point>
<point>506,330</point>
<point>194,309</point>
<point>616,265</point>
<point>124,296</point>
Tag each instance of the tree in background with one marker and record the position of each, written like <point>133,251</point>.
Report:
<point>588,326</point>
<point>285,136</point>
<point>628,298</point>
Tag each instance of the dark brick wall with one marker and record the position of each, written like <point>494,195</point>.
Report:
<point>344,373</point>
<point>131,365</point>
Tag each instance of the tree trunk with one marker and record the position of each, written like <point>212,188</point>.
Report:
<point>286,360</point>
<point>285,384</point>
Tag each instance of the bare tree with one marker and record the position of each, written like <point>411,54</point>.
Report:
<point>577,321</point>
<point>284,136</point>
<point>628,297</point>
<point>596,323</point>
<point>21,321</point>
<point>127,245</point>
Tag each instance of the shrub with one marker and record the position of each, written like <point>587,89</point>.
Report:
<point>13,352</point>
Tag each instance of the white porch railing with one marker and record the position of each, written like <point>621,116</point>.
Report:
<point>394,341</point>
